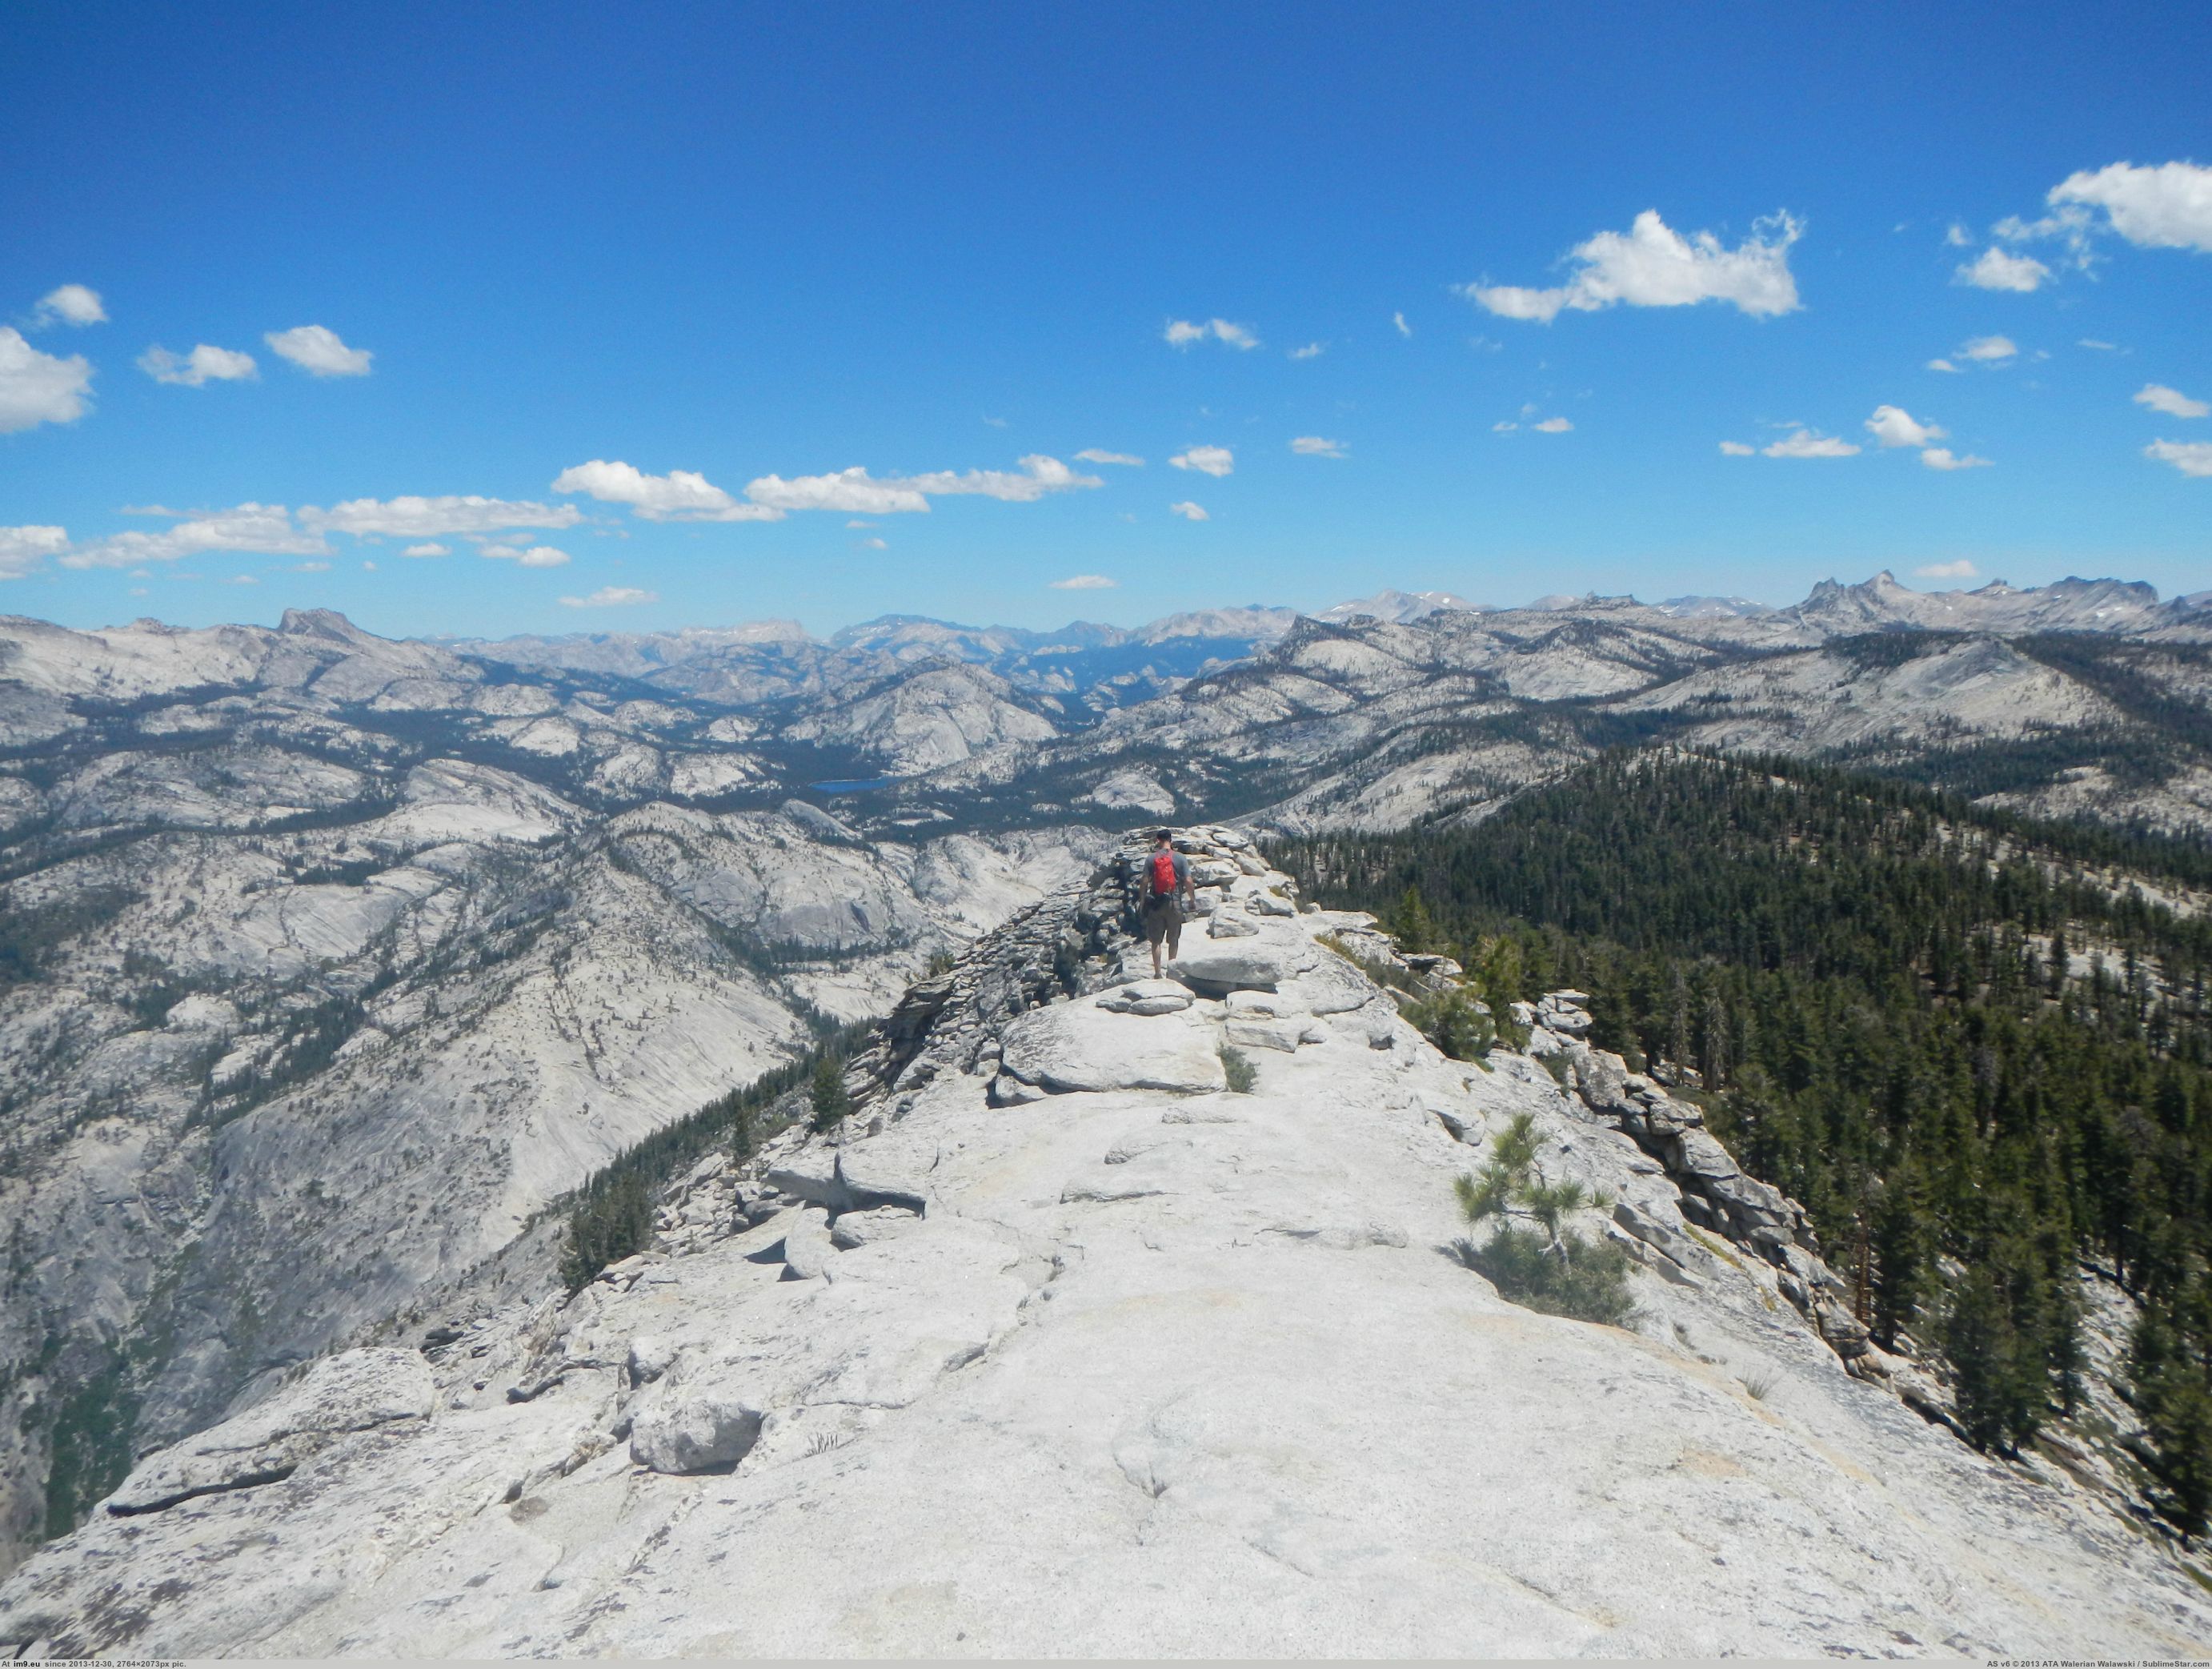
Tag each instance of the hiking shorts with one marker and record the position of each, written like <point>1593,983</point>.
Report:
<point>1163,920</point>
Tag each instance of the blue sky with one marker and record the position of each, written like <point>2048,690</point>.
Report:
<point>471,250</point>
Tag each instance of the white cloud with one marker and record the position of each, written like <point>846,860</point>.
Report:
<point>1552,426</point>
<point>369,567</point>
<point>855,490</point>
<point>1961,570</point>
<point>201,366</point>
<point>265,530</point>
<point>1181,333</point>
<point>1990,350</point>
<point>2172,401</point>
<point>1958,236</point>
<point>242,579</point>
<point>2100,347</point>
<point>1085,582</point>
<point>22,549</point>
<point>2167,207</point>
<point>311,568</point>
<point>682,495</point>
<point>36,387</point>
<point>316,349</point>
<point>1311,351</point>
<point>432,549</point>
<point>613,596</point>
<point>410,517</point>
<point>538,556</point>
<point>1996,269</point>
<point>1941,457</point>
<point>1188,511</point>
<point>995,422</point>
<point>876,544</point>
<point>1652,265</point>
<point>1942,365</point>
<point>1399,319</point>
<point>1091,454</point>
<point>857,522</point>
<point>1736,450</point>
<point>1503,427</point>
<point>1314,446</point>
<point>1804,443</point>
<point>1215,460</point>
<point>2190,457</point>
<point>1892,425</point>
<point>69,304</point>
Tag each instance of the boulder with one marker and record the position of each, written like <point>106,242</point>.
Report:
<point>855,1229</point>
<point>1225,926</point>
<point>1262,1034</point>
<point>649,1358</point>
<point>1071,1047</point>
<point>807,1249</point>
<point>1146,996</point>
<point>1219,968</point>
<point>709,1429</point>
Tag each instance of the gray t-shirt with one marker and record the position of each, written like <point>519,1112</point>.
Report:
<point>1145,871</point>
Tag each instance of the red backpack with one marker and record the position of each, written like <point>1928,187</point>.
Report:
<point>1164,874</point>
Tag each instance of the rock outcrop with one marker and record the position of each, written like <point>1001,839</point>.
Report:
<point>1116,1370</point>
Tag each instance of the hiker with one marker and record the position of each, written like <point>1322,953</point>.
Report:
<point>1167,888</point>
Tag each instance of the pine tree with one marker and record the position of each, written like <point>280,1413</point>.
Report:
<point>826,1095</point>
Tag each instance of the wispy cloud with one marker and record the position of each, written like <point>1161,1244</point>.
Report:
<point>1805,443</point>
<point>2091,342</point>
<point>265,530</point>
<point>410,517</point>
<point>2190,457</point>
<point>204,365</point>
<point>1314,446</point>
<point>613,596</point>
<point>1190,512</point>
<point>1652,265</point>
<point>1311,351</point>
<point>69,304</point>
<point>2172,401</point>
<point>1215,460</point>
<point>1182,333</point>
<point>1998,270</point>
<point>1958,237</point>
<point>1894,426</point>
<point>36,387</point>
<point>1961,570</point>
<point>316,349</point>
<point>427,550</point>
<point>1091,454</point>
<point>1399,319</point>
<point>1552,426</point>
<point>856,491</point>
<point>1736,450</point>
<point>1941,457</point>
<point>1942,365</point>
<point>1085,582</point>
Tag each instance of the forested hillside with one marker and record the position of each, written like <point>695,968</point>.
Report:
<point>1977,1048</point>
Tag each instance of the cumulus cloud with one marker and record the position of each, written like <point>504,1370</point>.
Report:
<point>681,494</point>
<point>1399,319</point>
<point>265,530</point>
<point>613,596</point>
<point>2190,457</point>
<point>1998,270</point>
<point>1037,476</point>
<point>204,365</point>
<point>22,549</point>
<point>1958,236</point>
<point>431,549</point>
<point>1552,426</point>
<point>1892,425</point>
<point>410,517</point>
<point>856,491</point>
<point>1085,582</point>
<point>69,304</point>
<point>1939,457</point>
<point>1314,446</point>
<point>2172,401</point>
<point>36,387</point>
<point>1215,460</point>
<point>1652,265</point>
<point>1942,365</point>
<point>1188,511</point>
<point>1091,454</point>
<point>316,349</point>
<point>536,555</point>
<point>1736,450</point>
<point>1961,570</point>
<point>1182,333</point>
<point>2166,207</point>
<point>1804,443</point>
<point>1311,351</point>
<point>1990,350</point>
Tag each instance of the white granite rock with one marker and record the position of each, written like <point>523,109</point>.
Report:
<point>1077,1046</point>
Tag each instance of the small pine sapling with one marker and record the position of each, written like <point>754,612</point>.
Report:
<point>1548,1266</point>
